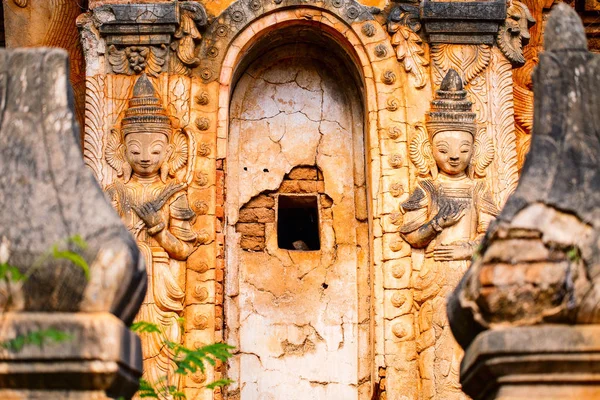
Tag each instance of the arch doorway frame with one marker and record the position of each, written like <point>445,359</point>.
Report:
<point>382,82</point>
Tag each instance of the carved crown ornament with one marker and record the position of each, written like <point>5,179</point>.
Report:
<point>151,38</point>
<point>451,110</point>
<point>146,115</point>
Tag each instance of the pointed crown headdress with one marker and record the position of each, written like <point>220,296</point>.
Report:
<point>450,109</point>
<point>146,113</point>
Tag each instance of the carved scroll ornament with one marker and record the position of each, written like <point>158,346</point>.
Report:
<point>513,35</point>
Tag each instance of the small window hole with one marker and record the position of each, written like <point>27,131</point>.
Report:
<point>298,223</point>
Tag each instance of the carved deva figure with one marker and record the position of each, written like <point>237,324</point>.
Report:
<point>145,153</point>
<point>446,215</point>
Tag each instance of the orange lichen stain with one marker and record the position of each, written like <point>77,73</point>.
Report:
<point>374,3</point>
<point>216,7</point>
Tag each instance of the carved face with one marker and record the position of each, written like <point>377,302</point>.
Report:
<point>452,151</point>
<point>146,153</point>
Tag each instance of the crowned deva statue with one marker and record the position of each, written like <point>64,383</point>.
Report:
<point>151,199</point>
<point>446,215</point>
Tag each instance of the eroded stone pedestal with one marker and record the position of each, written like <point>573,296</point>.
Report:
<point>537,362</point>
<point>100,356</point>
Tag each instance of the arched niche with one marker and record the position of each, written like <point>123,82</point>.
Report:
<point>296,146</point>
<point>377,93</point>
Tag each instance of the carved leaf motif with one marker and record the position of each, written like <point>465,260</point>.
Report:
<point>156,60</point>
<point>180,156</point>
<point>420,151</point>
<point>94,122</point>
<point>21,3</point>
<point>185,47</point>
<point>118,60</point>
<point>114,153</point>
<point>409,49</point>
<point>468,60</point>
<point>501,85</point>
<point>176,67</point>
<point>186,51</point>
<point>523,107</point>
<point>483,154</point>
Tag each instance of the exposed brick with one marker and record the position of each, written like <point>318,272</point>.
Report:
<point>303,173</point>
<point>257,215</point>
<point>251,229</point>
<point>252,243</point>
<point>289,187</point>
<point>261,201</point>
<point>326,201</point>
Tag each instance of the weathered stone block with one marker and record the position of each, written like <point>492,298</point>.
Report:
<point>251,229</point>
<point>261,215</point>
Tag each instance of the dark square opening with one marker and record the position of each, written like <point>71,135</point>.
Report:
<point>298,223</point>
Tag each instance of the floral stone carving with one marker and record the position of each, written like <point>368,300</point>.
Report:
<point>446,215</point>
<point>147,153</point>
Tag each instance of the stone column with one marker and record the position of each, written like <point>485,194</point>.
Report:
<point>527,311</point>
<point>80,277</point>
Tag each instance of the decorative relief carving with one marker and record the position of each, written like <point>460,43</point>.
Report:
<point>514,33</point>
<point>202,98</point>
<point>151,38</point>
<point>447,215</point>
<point>151,197</point>
<point>388,77</point>
<point>94,124</point>
<point>21,3</point>
<point>186,37</point>
<point>203,123</point>
<point>368,29</point>
<point>502,114</point>
<point>404,25</point>
<point>133,60</point>
<point>468,60</point>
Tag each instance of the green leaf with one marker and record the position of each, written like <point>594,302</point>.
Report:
<point>195,359</point>
<point>36,338</point>
<point>219,383</point>
<point>75,258</point>
<point>147,390</point>
<point>11,273</point>
<point>78,241</point>
<point>145,327</point>
<point>177,395</point>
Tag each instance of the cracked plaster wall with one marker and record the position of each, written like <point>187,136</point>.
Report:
<point>299,318</point>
